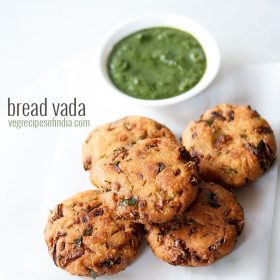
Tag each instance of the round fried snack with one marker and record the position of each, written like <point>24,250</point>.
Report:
<point>232,145</point>
<point>104,139</point>
<point>148,182</point>
<point>85,239</point>
<point>206,232</point>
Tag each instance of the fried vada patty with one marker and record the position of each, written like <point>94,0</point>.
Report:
<point>149,182</point>
<point>232,145</point>
<point>206,232</point>
<point>85,239</point>
<point>105,138</point>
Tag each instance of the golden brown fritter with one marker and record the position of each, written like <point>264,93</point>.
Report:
<point>231,144</point>
<point>85,239</point>
<point>206,232</point>
<point>148,182</point>
<point>104,139</point>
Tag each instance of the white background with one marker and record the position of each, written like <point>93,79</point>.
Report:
<point>37,35</point>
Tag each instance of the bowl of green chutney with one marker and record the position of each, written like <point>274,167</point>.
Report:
<point>159,59</point>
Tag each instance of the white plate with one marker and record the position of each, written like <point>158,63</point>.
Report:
<point>45,167</point>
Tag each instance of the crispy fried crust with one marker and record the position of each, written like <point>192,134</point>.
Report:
<point>206,232</point>
<point>104,139</point>
<point>149,182</point>
<point>85,239</point>
<point>232,145</point>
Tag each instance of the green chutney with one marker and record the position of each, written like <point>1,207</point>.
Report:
<point>156,63</point>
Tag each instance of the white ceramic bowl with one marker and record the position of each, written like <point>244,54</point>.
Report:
<point>163,20</point>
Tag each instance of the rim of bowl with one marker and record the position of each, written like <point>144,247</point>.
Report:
<point>150,20</point>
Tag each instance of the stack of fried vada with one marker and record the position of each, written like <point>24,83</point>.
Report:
<point>148,184</point>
